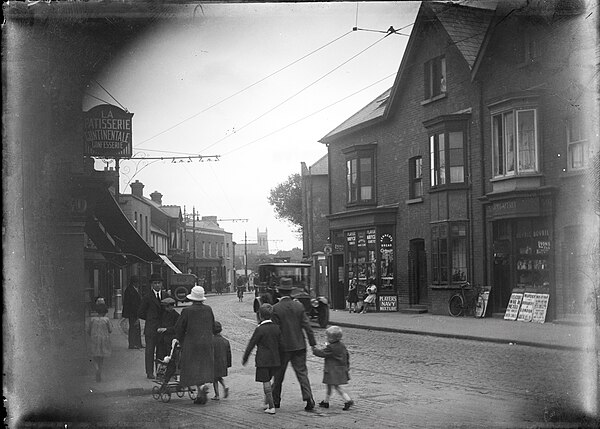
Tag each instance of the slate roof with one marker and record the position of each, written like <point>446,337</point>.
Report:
<point>374,110</point>
<point>466,26</point>
<point>320,167</point>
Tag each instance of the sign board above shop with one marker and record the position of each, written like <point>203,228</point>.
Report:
<point>107,132</point>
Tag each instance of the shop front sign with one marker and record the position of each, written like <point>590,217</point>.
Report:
<point>388,303</point>
<point>107,132</point>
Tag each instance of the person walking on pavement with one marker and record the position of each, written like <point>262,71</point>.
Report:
<point>132,299</point>
<point>194,331</point>
<point>150,310</point>
<point>337,366</point>
<point>266,338</point>
<point>352,296</point>
<point>222,353</point>
<point>99,330</point>
<point>292,320</point>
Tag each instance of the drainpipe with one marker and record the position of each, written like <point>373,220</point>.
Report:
<point>486,268</point>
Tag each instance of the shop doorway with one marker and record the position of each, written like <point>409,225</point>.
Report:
<point>417,266</point>
<point>338,283</point>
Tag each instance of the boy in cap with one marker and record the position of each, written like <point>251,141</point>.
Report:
<point>222,354</point>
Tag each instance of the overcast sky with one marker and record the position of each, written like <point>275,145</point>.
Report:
<point>213,84</point>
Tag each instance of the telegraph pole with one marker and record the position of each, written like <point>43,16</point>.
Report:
<point>194,236</point>
<point>245,257</point>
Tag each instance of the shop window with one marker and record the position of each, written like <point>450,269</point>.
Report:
<point>449,253</point>
<point>415,166</point>
<point>434,74</point>
<point>360,176</point>
<point>577,143</point>
<point>447,158</point>
<point>514,139</point>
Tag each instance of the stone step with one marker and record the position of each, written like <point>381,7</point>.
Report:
<point>416,309</point>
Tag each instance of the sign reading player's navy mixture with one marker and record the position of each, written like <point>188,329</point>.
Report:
<point>388,303</point>
<point>107,132</point>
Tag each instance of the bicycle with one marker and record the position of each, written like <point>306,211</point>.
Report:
<point>460,304</point>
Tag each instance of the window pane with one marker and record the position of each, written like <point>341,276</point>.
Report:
<point>441,159</point>
<point>366,179</point>
<point>509,139</point>
<point>349,180</point>
<point>526,140</point>
<point>576,152</point>
<point>498,142</point>
<point>456,155</point>
<point>418,168</point>
<point>459,259</point>
<point>432,165</point>
<point>443,75</point>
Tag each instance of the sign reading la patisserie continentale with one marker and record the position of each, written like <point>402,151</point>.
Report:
<point>107,132</point>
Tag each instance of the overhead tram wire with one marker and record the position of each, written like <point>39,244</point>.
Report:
<point>246,88</point>
<point>111,96</point>
<point>297,93</point>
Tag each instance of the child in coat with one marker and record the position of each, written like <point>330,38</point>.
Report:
<point>99,330</point>
<point>266,338</point>
<point>337,365</point>
<point>222,354</point>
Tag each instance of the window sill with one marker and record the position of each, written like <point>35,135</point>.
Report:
<point>432,99</point>
<point>414,201</point>
<point>444,287</point>
<point>567,174</point>
<point>361,204</point>
<point>451,187</point>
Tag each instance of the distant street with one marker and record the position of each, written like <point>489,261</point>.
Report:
<point>398,380</point>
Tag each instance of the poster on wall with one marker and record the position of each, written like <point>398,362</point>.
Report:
<point>540,307</point>
<point>512,309</point>
<point>388,303</point>
<point>526,310</point>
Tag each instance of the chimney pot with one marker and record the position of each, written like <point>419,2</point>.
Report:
<point>137,189</point>
<point>156,197</point>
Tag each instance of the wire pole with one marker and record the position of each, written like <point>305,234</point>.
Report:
<point>245,257</point>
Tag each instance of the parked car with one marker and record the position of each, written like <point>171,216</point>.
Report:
<point>181,285</point>
<point>269,275</point>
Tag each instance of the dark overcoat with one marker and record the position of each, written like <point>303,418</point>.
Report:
<point>194,330</point>
<point>222,352</point>
<point>151,311</point>
<point>337,363</point>
<point>266,338</point>
<point>292,320</point>
<point>131,302</point>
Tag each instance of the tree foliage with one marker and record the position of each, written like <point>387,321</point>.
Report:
<point>286,199</point>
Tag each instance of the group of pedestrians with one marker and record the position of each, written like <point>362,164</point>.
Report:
<point>367,300</point>
<point>280,340</point>
<point>204,355</point>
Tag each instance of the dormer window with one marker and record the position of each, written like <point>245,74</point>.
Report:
<point>360,174</point>
<point>435,77</point>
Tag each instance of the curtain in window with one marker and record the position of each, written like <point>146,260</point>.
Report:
<point>526,138</point>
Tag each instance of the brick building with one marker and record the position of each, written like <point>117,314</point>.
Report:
<point>472,166</point>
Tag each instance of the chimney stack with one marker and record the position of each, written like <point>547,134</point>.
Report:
<point>156,197</point>
<point>137,189</point>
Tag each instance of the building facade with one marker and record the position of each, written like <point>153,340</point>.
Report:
<point>472,167</point>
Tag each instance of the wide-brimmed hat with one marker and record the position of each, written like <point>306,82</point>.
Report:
<point>285,283</point>
<point>197,294</point>
<point>155,277</point>
<point>168,301</point>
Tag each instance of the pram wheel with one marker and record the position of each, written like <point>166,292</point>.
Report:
<point>192,393</point>
<point>156,392</point>
<point>165,396</point>
<point>180,391</point>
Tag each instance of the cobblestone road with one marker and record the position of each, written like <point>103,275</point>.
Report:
<point>398,380</point>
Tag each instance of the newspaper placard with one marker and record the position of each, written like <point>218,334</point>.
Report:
<point>482,301</point>
<point>512,309</point>
<point>526,310</point>
<point>540,306</point>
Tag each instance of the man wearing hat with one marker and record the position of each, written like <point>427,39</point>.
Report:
<point>292,320</point>
<point>194,331</point>
<point>151,311</point>
<point>166,331</point>
<point>132,299</point>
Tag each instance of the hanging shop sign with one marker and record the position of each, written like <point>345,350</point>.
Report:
<point>388,303</point>
<point>107,132</point>
<point>512,309</point>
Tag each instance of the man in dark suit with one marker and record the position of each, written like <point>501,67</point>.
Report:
<point>151,311</point>
<point>292,320</point>
<point>132,298</point>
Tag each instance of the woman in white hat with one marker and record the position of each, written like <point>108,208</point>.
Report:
<point>194,331</point>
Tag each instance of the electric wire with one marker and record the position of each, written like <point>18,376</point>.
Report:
<point>111,96</point>
<point>246,88</point>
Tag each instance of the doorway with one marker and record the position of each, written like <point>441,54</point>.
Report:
<point>338,283</point>
<point>417,266</point>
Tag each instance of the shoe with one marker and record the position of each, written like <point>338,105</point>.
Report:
<point>215,398</point>
<point>324,404</point>
<point>226,392</point>
<point>347,405</point>
<point>151,376</point>
<point>310,405</point>
<point>270,410</point>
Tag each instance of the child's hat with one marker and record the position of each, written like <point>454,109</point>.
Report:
<point>217,328</point>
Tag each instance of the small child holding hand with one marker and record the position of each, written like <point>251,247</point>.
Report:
<point>337,365</point>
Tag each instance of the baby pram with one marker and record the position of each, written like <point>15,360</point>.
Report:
<point>167,377</point>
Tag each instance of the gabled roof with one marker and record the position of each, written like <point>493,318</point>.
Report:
<point>321,167</point>
<point>172,211</point>
<point>372,111</point>
<point>466,26</point>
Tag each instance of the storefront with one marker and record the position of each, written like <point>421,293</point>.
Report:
<point>364,253</point>
<point>522,247</point>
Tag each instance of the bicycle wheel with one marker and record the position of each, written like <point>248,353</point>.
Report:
<point>456,305</point>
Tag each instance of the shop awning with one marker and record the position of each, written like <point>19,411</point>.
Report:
<point>112,233</point>
<point>171,265</point>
